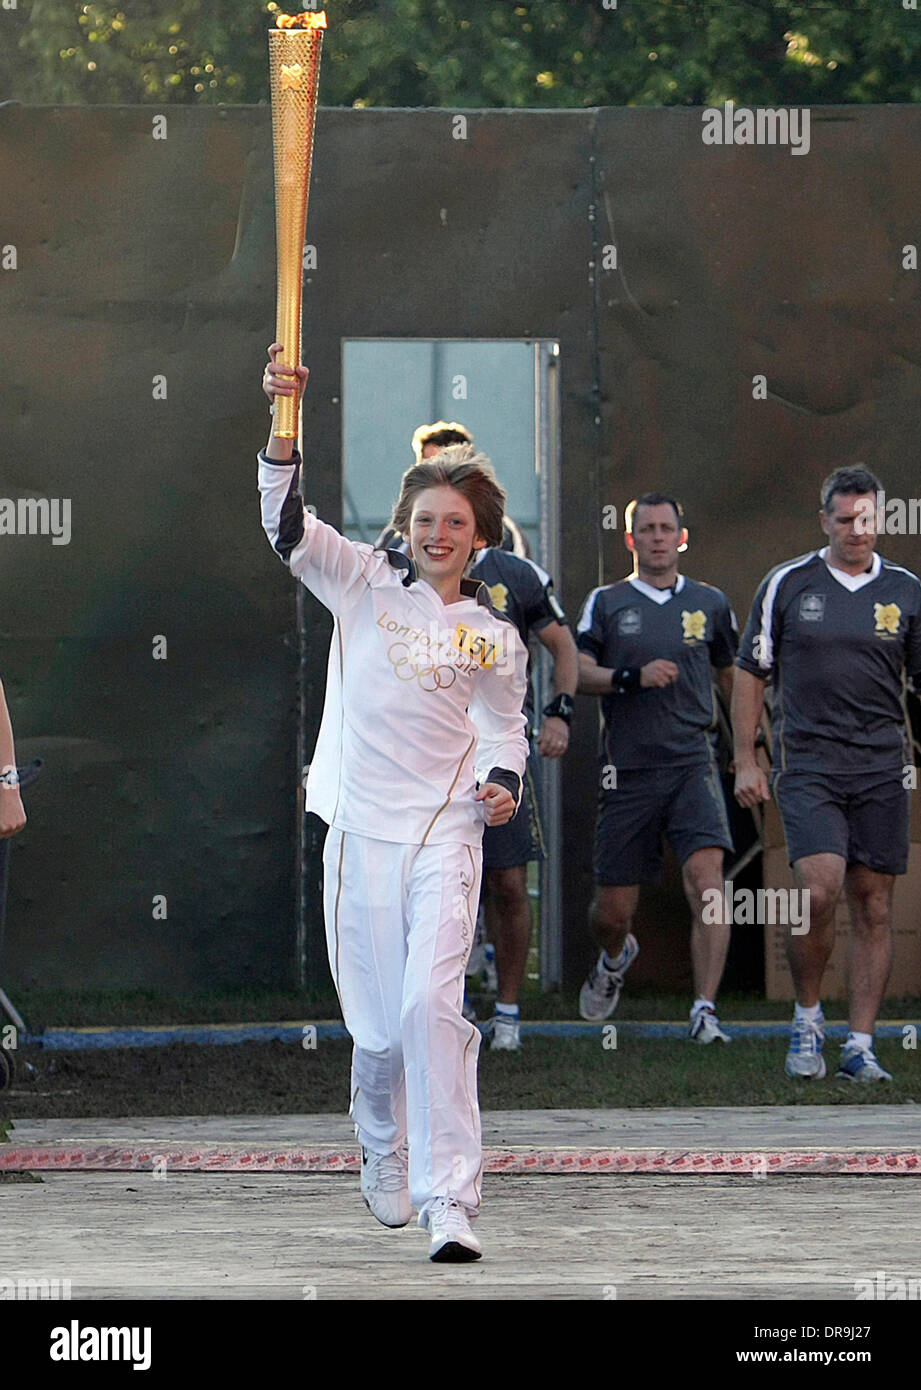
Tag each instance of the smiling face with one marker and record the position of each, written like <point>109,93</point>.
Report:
<point>442,533</point>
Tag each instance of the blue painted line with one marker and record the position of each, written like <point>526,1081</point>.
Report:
<point>227,1034</point>
<point>75,1040</point>
<point>635,1029</point>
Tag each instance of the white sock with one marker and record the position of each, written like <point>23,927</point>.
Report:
<point>702,1004</point>
<point>862,1040</point>
<point>617,964</point>
<point>507,1010</point>
<point>813,1013</point>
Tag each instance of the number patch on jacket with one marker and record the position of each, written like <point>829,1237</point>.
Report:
<point>475,644</point>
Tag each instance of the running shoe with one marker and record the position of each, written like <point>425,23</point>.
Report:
<point>601,991</point>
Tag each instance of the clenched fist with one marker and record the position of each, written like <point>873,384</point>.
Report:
<point>658,673</point>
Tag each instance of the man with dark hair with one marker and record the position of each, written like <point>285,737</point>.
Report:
<point>834,631</point>
<point>646,647</point>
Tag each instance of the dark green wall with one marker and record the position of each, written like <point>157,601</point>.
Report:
<point>140,256</point>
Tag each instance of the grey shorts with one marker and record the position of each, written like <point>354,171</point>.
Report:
<point>683,804</point>
<point>862,816</point>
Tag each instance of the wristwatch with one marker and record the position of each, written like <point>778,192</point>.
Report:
<point>560,708</point>
<point>10,778</point>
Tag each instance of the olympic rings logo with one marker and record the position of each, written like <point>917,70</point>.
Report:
<point>430,678</point>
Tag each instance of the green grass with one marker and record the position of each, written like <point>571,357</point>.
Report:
<point>54,1008</point>
<point>549,1073</point>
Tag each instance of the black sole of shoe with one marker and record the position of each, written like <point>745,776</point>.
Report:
<point>455,1253</point>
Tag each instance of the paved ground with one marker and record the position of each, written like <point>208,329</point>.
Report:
<point>225,1236</point>
<point>767,1127</point>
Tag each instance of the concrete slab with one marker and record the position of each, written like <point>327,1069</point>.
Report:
<point>211,1236</point>
<point>765,1128</point>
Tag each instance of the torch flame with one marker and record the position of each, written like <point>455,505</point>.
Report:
<point>308,19</point>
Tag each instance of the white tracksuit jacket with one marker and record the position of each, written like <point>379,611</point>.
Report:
<point>423,699</point>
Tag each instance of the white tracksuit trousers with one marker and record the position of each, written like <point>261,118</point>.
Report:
<point>399,926</point>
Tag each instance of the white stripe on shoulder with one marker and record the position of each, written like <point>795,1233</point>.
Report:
<point>585,620</point>
<point>764,653</point>
<point>542,575</point>
<point>888,565</point>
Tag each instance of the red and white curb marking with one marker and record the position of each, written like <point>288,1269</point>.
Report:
<point>239,1158</point>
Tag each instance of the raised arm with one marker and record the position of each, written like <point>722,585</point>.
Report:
<point>332,567</point>
<point>280,379</point>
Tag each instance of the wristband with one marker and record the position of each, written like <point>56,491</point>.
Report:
<point>625,680</point>
<point>560,708</point>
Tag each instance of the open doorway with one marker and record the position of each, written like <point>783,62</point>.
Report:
<point>506,393</point>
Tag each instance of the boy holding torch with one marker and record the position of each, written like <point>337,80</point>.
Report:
<point>421,743</point>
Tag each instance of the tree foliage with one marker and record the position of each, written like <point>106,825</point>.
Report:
<point>472,53</point>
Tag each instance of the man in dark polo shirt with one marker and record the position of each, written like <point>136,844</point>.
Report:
<point>646,647</point>
<point>835,631</point>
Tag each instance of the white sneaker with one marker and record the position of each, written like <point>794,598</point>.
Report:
<point>385,1185</point>
<point>858,1064</point>
<point>601,991</point>
<point>705,1027</point>
<point>448,1224</point>
<point>804,1059</point>
<point>503,1034</point>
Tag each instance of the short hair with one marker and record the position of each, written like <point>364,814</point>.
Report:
<point>469,473</point>
<point>652,499</point>
<point>442,433</point>
<point>849,482</point>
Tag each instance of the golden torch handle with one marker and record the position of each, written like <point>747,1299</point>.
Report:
<point>295,48</point>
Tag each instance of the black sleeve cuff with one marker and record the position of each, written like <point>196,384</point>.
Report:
<point>503,777</point>
<point>293,462</point>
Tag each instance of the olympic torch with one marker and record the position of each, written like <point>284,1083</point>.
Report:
<point>295,47</point>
